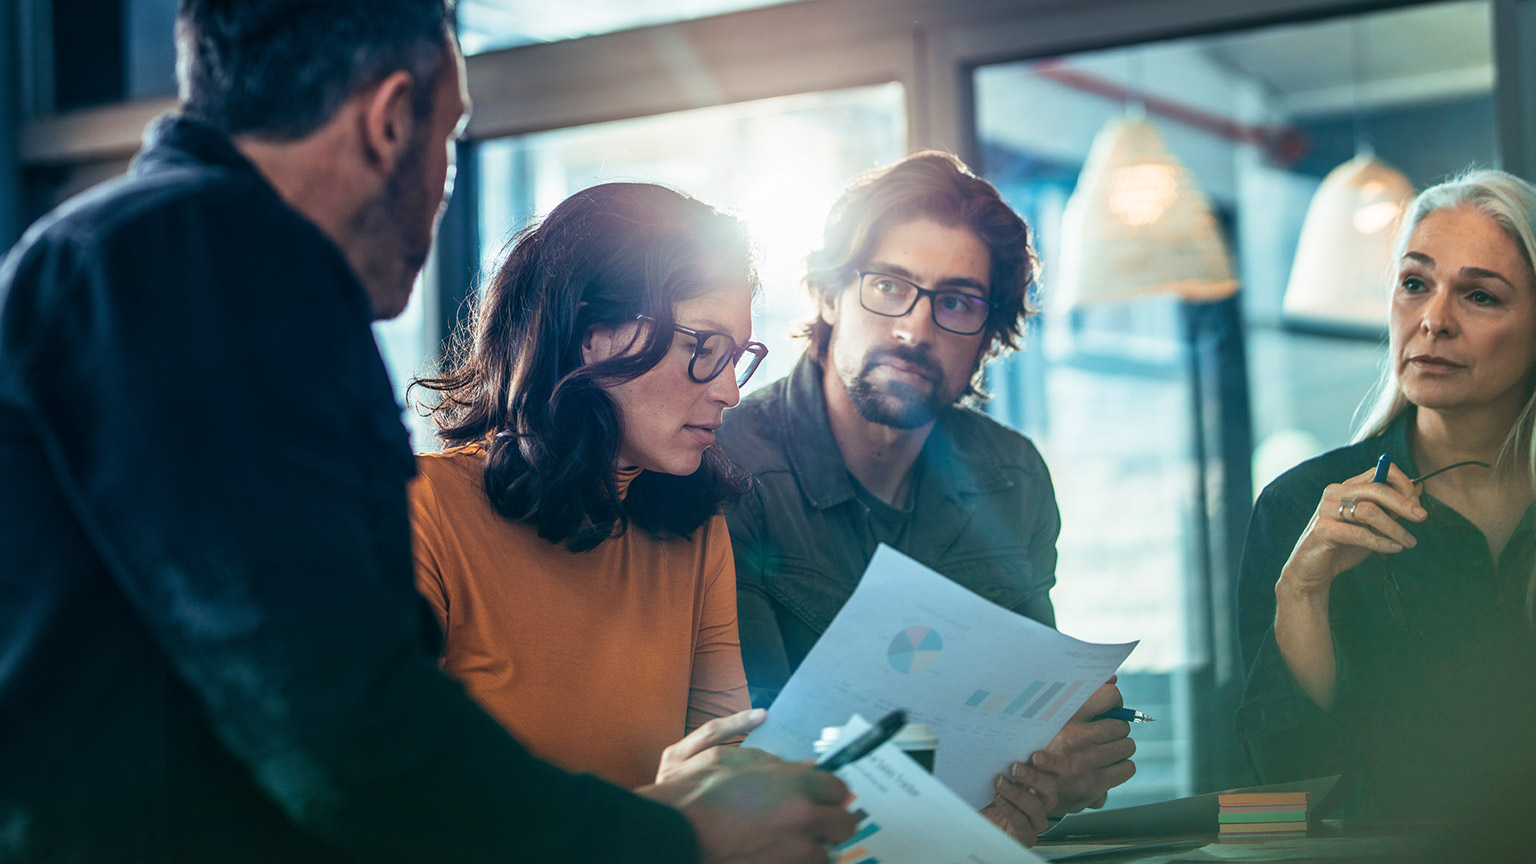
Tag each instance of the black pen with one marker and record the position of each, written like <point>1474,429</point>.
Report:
<point>865,744</point>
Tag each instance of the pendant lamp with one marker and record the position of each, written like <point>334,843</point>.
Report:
<point>1344,257</point>
<point>1138,225</point>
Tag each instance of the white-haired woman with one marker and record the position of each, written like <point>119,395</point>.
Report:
<point>1386,626</point>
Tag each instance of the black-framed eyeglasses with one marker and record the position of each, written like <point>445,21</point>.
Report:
<point>714,350</point>
<point>894,297</point>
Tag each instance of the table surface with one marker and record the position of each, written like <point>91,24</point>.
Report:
<point>1330,846</point>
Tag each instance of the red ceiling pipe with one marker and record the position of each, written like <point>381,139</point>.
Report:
<point>1283,144</point>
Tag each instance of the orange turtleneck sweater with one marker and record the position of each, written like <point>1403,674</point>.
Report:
<point>595,661</point>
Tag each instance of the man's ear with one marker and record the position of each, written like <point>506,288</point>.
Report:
<point>826,304</point>
<point>388,121</point>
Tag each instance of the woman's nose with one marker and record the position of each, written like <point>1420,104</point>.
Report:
<point>724,388</point>
<point>1439,316</point>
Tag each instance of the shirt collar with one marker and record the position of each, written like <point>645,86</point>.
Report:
<point>813,450</point>
<point>1395,441</point>
<point>623,478</point>
<point>175,139</point>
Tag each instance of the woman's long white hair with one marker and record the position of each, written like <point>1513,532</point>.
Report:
<point>1511,203</point>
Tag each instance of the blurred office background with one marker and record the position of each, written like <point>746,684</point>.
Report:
<point>1160,415</point>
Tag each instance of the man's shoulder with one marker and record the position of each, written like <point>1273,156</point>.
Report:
<point>975,436</point>
<point>762,403</point>
<point>752,435</point>
<point>134,216</point>
<point>161,237</point>
<point>103,212</point>
<point>94,233</point>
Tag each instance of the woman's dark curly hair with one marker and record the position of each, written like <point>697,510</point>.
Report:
<point>517,383</point>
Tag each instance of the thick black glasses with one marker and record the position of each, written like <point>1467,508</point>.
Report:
<point>714,350</point>
<point>894,297</point>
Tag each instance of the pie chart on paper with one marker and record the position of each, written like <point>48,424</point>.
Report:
<point>915,649</point>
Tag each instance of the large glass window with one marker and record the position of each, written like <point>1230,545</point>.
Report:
<point>409,349</point>
<point>778,163</point>
<point>1258,118</point>
<point>485,25</point>
<point>83,53</point>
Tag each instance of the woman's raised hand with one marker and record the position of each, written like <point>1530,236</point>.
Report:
<point>700,751</point>
<point>1353,519</point>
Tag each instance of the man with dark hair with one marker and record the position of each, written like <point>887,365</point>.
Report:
<point>922,276</point>
<point>210,645</point>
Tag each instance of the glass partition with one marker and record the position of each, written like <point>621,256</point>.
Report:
<point>778,163</point>
<point>485,25</point>
<point>1259,118</point>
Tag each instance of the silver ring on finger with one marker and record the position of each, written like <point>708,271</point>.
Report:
<point>1350,503</point>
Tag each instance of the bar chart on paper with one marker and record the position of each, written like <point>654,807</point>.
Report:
<point>915,649</point>
<point>854,850</point>
<point>991,684</point>
<point>1028,704</point>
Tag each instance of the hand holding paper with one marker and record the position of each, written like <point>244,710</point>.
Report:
<point>907,817</point>
<point>1026,794</point>
<point>1097,752</point>
<point>764,810</point>
<point>994,686</point>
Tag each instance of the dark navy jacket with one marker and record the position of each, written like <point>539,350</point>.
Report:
<point>210,647</point>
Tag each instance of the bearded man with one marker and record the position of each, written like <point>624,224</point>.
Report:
<point>922,277</point>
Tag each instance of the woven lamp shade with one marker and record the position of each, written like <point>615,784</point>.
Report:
<point>1137,224</point>
<point>1344,257</point>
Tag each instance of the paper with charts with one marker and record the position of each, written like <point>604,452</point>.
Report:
<point>994,685</point>
<point>905,815</point>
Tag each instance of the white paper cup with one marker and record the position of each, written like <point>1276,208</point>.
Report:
<point>915,739</point>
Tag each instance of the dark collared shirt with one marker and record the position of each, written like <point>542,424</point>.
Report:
<point>982,513</point>
<point>1434,651</point>
<point>211,648</point>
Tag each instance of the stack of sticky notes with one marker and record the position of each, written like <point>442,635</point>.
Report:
<point>1248,816</point>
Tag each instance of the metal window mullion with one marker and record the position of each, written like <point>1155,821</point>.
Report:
<point>1514,39</point>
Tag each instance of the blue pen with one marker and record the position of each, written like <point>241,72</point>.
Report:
<point>1383,465</point>
<point>1125,714</point>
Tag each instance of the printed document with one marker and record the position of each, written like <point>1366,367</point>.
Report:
<point>905,815</point>
<point>993,685</point>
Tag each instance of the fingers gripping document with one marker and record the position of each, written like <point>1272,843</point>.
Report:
<point>905,815</point>
<point>994,685</point>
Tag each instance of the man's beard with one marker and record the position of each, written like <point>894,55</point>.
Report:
<point>400,238</point>
<point>897,404</point>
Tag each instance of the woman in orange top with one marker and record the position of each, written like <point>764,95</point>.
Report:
<point>570,537</point>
